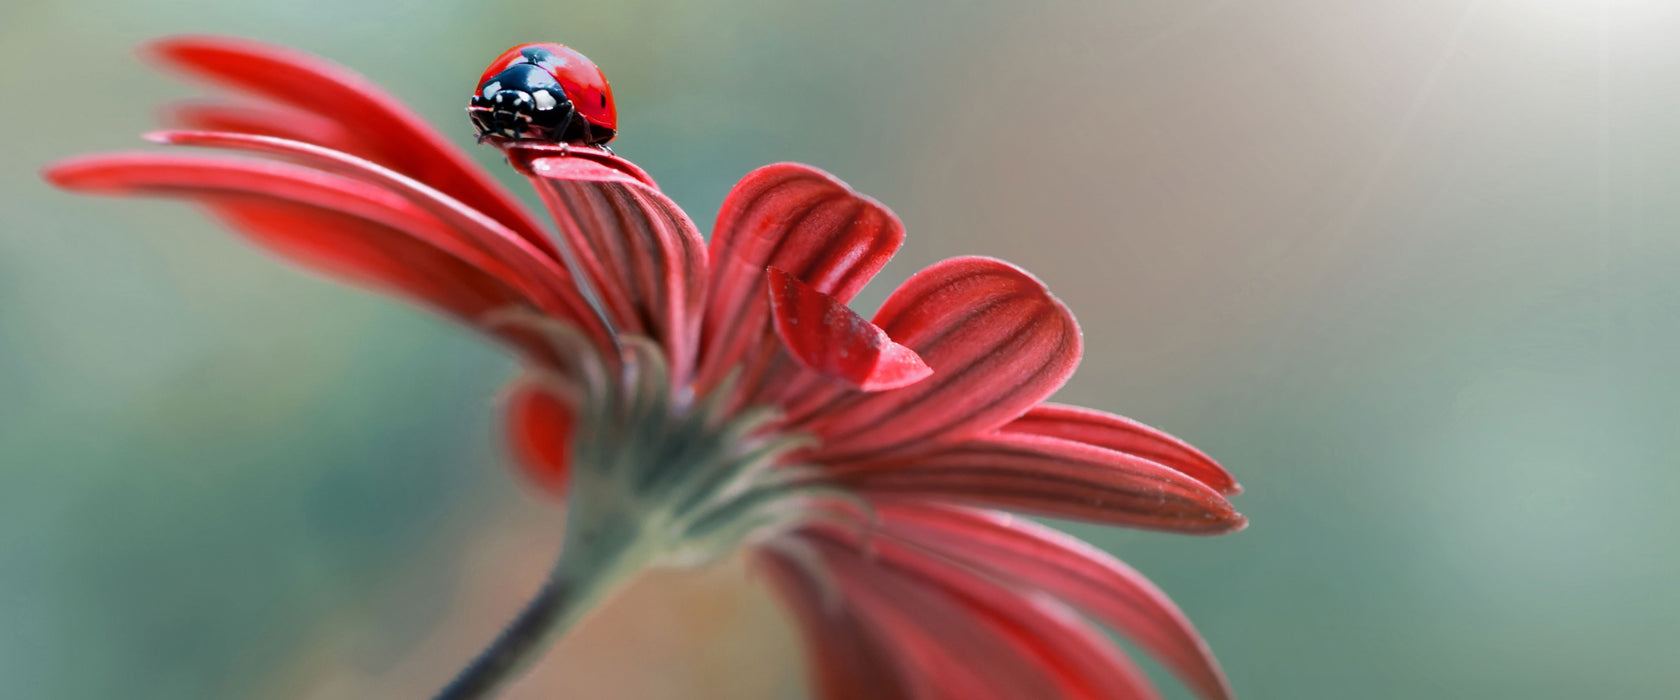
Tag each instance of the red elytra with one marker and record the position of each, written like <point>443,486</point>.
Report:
<point>584,83</point>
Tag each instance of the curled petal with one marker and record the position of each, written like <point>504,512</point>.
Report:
<point>1005,643</point>
<point>1123,434</point>
<point>997,341</point>
<point>540,427</point>
<point>802,221</point>
<point>1024,553</point>
<point>1053,477</point>
<point>828,338</point>
<point>641,253</point>
<point>847,658</point>
<point>379,126</point>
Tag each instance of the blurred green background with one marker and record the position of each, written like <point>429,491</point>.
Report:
<point>1407,268</point>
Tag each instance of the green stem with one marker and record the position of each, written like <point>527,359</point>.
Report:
<point>591,566</point>
<point>546,617</point>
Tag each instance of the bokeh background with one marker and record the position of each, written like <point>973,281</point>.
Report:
<point>1408,268</point>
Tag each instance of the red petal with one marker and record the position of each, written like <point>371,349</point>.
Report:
<point>1123,434</point>
<point>386,260</point>
<point>265,120</point>
<point>1018,551</point>
<point>522,265</point>
<point>830,339</point>
<point>640,251</point>
<point>847,660</point>
<point>997,341</point>
<point>1053,477</point>
<point>540,427</point>
<point>949,652</point>
<point>1015,645</point>
<point>152,174</point>
<point>383,129</point>
<point>801,220</point>
<point>363,252</point>
<point>345,228</point>
<point>524,153</point>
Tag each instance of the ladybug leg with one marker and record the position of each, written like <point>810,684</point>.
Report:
<point>559,132</point>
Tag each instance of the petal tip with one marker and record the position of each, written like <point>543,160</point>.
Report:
<point>1229,523</point>
<point>898,367</point>
<point>60,174</point>
<point>1219,516</point>
<point>565,162</point>
<point>827,337</point>
<point>176,51</point>
<point>166,50</point>
<point>87,174</point>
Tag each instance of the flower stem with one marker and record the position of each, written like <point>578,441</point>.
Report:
<point>596,558</point>
<point>544,618</point>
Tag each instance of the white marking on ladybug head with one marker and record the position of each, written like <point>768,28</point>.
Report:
<point>545,100</point>
<point>493,88</point>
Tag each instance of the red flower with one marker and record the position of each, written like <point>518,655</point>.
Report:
<point>691,398</point>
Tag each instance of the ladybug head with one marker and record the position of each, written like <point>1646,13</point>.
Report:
<point>523,102</point>
<point>531,92</point>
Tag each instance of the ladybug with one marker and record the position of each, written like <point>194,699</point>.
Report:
<point>546,92</point>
